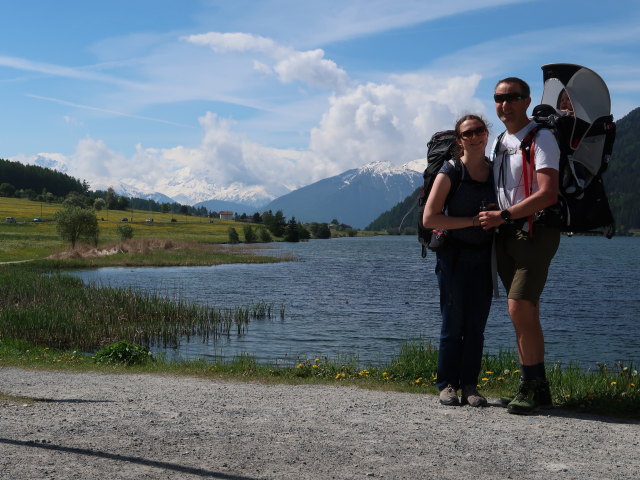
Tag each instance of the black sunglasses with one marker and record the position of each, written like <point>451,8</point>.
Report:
<point>467,134</point>
<point>507,97</point>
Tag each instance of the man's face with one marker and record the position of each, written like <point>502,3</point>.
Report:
<point>511,110</point>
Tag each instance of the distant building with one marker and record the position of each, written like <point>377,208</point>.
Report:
<point>226,215</point>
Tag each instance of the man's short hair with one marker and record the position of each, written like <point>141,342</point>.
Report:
<point>524,86</point>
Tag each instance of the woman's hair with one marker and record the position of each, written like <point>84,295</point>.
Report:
<point>471,116</point>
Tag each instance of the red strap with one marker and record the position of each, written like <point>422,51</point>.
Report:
<point>528,178</point>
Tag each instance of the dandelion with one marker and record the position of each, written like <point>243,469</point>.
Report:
<point>300,365</point>
<point>488,372</point>
<point>567,396</point>
<point>384,374</point>
<point>484,379</point>
<point>316,359</point>
<point>314,366</point>
<point>506,371</point>
<point>632,384</point>
<point>500,378</point>
<point>613,383</point>
<point>516,371</point>
<point>418,380</point>
<point>340,375</point>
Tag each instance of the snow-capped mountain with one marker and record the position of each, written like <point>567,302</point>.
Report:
<point>355,197</point>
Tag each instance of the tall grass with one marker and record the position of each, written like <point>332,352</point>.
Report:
<point>60,311</point>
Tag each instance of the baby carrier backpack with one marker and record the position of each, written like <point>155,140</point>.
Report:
<point>585,132</point>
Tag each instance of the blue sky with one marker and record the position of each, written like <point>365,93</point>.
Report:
<point>214,97</point>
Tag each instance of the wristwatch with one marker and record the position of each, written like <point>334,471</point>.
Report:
<point>506,216</point>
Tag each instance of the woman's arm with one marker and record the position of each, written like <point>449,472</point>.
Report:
<point>433,216</point>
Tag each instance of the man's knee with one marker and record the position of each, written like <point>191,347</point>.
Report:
<point>523,312</point>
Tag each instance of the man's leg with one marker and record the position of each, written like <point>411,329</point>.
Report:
<point>525,316</point>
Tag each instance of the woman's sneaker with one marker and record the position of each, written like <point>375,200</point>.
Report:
<point>448,396</point>
<point>531,396</point>
<point>471,396</point>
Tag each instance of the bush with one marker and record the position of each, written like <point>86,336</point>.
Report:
<point>125,232</point>
<point>250,235</point>
<point>264,235</point>
<point>233,236</point>
<point>123,353</point>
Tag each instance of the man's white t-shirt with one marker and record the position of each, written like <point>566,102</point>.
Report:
<point>507,163</point>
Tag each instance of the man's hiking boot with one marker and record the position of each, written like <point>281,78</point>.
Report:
<point>530,396</point>
<point>471,396</point>
<point>543,395</point>
<point>448,396</point>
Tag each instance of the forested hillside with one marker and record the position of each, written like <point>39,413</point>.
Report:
<point>35,179</point>
<point>620,179</point>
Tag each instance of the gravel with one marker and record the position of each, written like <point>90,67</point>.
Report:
<point>92,425</point>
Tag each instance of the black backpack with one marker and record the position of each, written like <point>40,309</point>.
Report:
<point>441,148</point>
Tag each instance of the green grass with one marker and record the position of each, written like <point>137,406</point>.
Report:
<point>611,391</point>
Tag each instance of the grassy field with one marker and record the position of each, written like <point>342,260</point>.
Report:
<point>26,239</point>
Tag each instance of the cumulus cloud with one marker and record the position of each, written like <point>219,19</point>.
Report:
<point>309,67</point>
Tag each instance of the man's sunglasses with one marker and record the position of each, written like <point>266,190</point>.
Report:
<point>507,97</point>
<point>467,134</point>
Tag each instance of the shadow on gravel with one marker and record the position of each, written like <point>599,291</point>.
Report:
<point>122,458</point>
<point>68,400</point>
<point>563,413</point>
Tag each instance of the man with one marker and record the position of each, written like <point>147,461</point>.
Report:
<point>524,247</point>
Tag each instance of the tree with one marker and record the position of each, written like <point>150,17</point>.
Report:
<point>74,223</point>
<point>75,199</point>
<point>7,190</point>
<point>122,203</point>
<point>166,207</point>
<point>233,236</point>
<point>250,235</point>
<point>125,232</point>
<point>291,233</point>
<point>112,199</point>
<point>99,204</point>
<point>265,236</point>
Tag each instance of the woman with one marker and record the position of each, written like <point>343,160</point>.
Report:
<point>463,267</point>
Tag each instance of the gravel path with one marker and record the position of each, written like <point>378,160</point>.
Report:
<point>88,425</point>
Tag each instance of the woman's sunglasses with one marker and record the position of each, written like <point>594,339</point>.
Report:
<point>467,134</point>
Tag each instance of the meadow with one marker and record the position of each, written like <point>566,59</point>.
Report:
<point>54,321</point>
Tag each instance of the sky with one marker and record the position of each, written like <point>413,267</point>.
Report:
<point>266,96</point>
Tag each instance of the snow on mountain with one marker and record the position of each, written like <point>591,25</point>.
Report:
<point>355,197</point>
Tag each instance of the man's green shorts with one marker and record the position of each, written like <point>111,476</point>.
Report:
<point>523,260</point>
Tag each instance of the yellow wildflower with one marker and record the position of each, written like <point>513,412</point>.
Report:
<point>632,384</point>
<point>516,371</point>
<point>500,378</point>
<point>613,383</point>
<point>340,375</point>
<point>300,365</point>
<point>484,379</point>
<point>418,380</point>
<point>317,359</point>
<point>488,372</point>
<point>314,366</point>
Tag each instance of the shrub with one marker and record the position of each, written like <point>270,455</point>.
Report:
<point>233,236</point>
<point>250,235</point>
<point>123,353</point>
<point>125,232</point>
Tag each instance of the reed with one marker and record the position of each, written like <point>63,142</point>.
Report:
<point>60,311</point>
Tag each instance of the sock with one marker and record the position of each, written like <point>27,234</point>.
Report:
<point>533,372</point>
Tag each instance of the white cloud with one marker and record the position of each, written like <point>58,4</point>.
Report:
<point>312,68</point>
<point>234,42</point>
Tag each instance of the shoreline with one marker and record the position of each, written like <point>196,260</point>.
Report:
<point>160,426</point>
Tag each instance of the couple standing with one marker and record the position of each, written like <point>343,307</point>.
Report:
<point>523,253</point>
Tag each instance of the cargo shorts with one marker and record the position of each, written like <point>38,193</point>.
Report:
<point>523,260</point>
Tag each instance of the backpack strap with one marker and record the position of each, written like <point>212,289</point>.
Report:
<point>527,147</point>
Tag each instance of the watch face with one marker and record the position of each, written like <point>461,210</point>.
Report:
<point>506,215</point>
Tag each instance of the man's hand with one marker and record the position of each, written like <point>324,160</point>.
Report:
<point>490,219</point>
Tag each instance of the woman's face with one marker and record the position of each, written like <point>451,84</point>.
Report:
<point>565,103</point>
<point>473,135</point>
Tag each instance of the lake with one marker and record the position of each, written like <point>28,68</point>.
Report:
<point>366,296</point>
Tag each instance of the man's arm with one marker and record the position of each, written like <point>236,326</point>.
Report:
<point>547,195</point>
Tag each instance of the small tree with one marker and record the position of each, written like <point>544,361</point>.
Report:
<point>233,236</point>
<point>125,232</point>
<point>74,223</point>
<point>99,204</point>
<point>291,233</point>
<point>264,235</point>
<point>7,190</point>
<point>250,235</point>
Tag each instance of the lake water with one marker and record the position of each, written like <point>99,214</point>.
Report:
<point>369,295</point>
